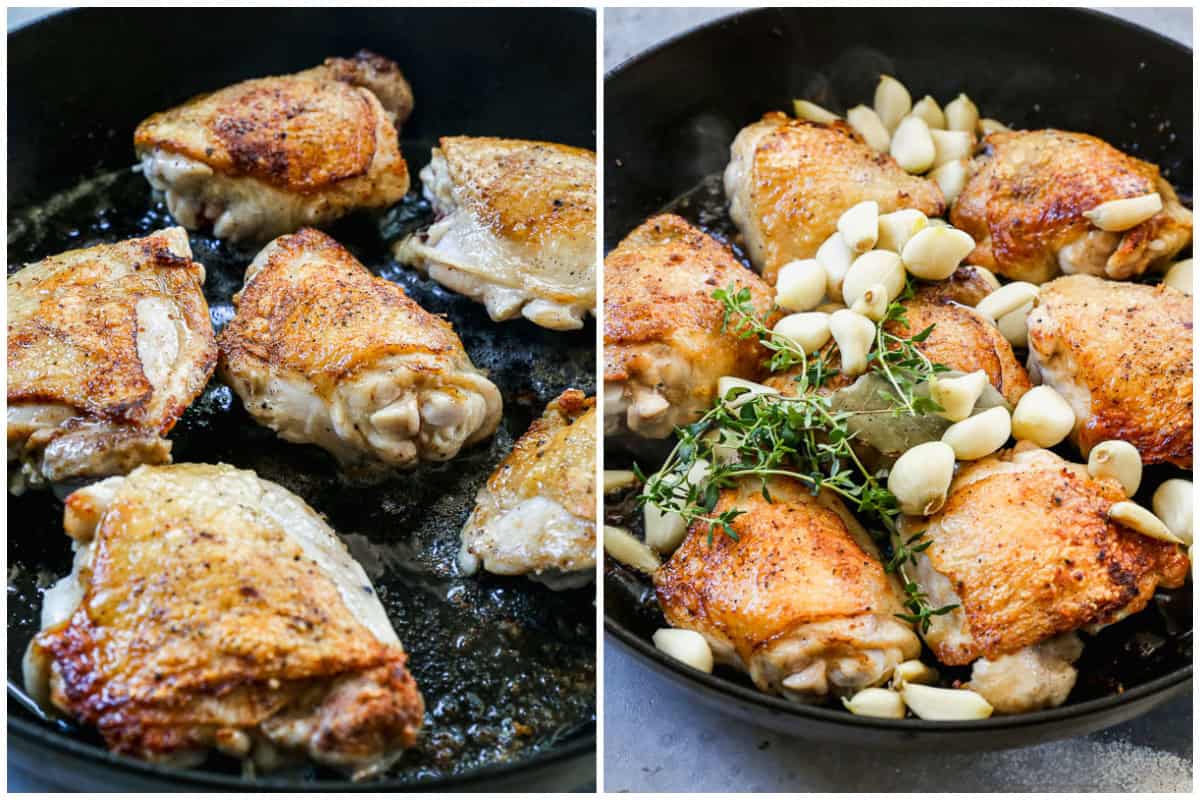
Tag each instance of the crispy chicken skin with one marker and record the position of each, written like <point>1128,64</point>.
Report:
<point>210,609</point>
<point>1042,523</point>
<point>789,180</point>
<point>324,352</point>
<point>1026,197</point>
<point>664,347</point>
<point>800,601</point>
<point>536,515</point>
<point>961,339</point>
<point>1121,354</point>
<point>266,156</point>
<point>107,346</point>
<point>515,229</point>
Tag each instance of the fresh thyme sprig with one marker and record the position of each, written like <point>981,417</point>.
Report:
<point>904,552</point>
<point>901,363</point>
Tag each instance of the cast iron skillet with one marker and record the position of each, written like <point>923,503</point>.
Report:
<point>506,667</point>
<point>672,113</point>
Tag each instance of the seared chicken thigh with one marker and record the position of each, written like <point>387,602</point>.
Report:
<point>267,156</point>
<point>1121,354</point>
<point>322,351</point>
<point>210,609</point>
<point>1025,201</point>
<point>536,515</point>
<point>788,181</point>
<point>665,345</point>
<point>107,346</point>
<point>1042,523</point>
<point>800,600</point>
<point>515,229</point>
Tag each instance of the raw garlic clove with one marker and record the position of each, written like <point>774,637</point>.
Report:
<point>809,330</point>
<point>1179,276</point>
<point>931,702</point>
<point>1117,460</point>
<point>859,226</point>
<point>883,703</point>
<point>665,530</point>
<point>1139,519</point>
<point>1129,212</point>
<point>813,112</point>
<point>988,126</point>
<point>870,269</point>
<point>1172,504</point>
<point>800,285</point>
<point>892,101</point>
<point>934,253</point>
<point>868,125</point>
<point>854,334</point>
<point>912,146</point>
<point>928,109</point>
<point>873,303</point>
<point>1007,298</point>
<point>914,671</point>
<point>1042,416</point>
<point>961,114</point>
<point>625,548</point>
<point>951,146</point>
<point>921,477</point>
<point>617,479</point>
<point>836,257</point>
<point>980,435</point>
<point>687,646</point>
<point>950,177</point>
<point>1014,326</point>
<point>896,228</point>
<point>957,396</point>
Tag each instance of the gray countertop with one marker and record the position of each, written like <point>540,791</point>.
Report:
<point>656,740</point>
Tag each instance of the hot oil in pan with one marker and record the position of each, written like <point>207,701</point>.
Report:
<point>506,666</point>
<point>1145,646</point>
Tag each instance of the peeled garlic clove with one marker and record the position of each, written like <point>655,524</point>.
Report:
<point>665,530</point>
<point>873,303</point>
<point>728,383</point>
<point>1129,212</point>
<point>950,177</point>
<point>961,114</point>
<point>980,435</point>
<point>687,646</point>
<point>1179,276</point>
<point>914,671</point>
<point>912,145</point>
<point>625,547</point>
<point>617,479</point>
<point>859,226</point>
<point>928,109</point>
<point>813,112</point>
<point>854,334</point>
<point>871,269</point>
<point>896,228</point>
<point>1014,326</point>
<point>1042,416</point>
<point>1118,460</point>
<point>931,702</point>
<point>892,101</point>
<point>868,125</point>
<point>1138,519</point>
<point>876,703</point>
<point>1007,298</point>
<point>836,257</point>
<point>988,276</point>
<point>987,126</point>
<point>921,477</point>
<point>800,285</point>
<point>957,396</point>
<point>951,146</point>
<point>1172,504</point>
<point>934,253</point>
<point>809,330</point>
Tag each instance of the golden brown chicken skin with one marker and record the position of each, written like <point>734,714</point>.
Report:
<point>324,352</point>
<point>1121,354</point>
<point>269,155</point>
<point>789,180</point>
<point>1042,523</point>
<point>800,600</point>
<point>107,346</point>
<point>1025,201</point>
<point>210,609</point>
<point>664,343</point>
<point>537,514</point>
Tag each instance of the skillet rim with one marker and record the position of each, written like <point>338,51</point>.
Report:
<point>677,672</point>
<point>577,746</point>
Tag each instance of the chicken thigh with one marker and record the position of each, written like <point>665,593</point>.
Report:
<point>515,229</point>
<point>264,157</point>
<point>210,609</point>
<point>536,515</point>
<point>799,600</point>
<point>1025,201</point>
<point>1121,354</point>
<point>324,352</point>
<point>788,181</point>
<point>1042,522</point>
<point>665,345</point>
<point>107,346</point>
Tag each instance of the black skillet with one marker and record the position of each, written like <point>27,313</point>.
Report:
<point>673,111</point>
<point>506,667</point>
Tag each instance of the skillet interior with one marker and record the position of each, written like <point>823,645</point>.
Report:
<point>506,667</point>
<point>674,112</point>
